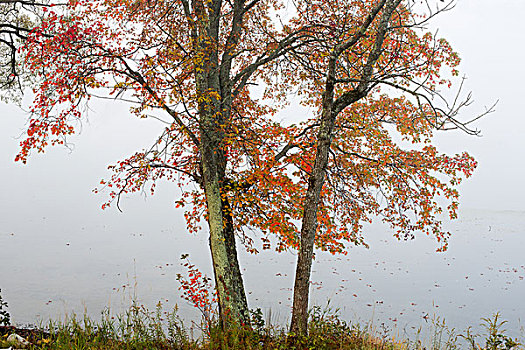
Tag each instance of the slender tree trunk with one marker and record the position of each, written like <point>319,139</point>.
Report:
<point>299,323</point>
<point>309,226</point>
<point>330,109</point>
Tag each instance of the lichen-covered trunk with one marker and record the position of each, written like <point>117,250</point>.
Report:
<point>233,308</point>
<point>213,90</point>
<point>242,311</point>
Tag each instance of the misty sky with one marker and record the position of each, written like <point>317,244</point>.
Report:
<point>485,33</point>
<point>60,246</point>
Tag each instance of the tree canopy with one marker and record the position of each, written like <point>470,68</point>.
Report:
<point>219,75</point>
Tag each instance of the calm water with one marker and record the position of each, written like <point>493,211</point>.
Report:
<point>54,263</point>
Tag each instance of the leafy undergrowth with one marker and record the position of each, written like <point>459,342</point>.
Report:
<point>139,328</point>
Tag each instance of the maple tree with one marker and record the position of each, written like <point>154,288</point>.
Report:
<point>184,60</point>
<point>364,66</point>
<point>371,73</point>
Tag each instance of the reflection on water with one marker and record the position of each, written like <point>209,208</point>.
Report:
<point>404,282</point>
<point>53,265</point>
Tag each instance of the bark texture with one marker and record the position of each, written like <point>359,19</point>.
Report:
<point>212,84</point>
<point>331,107</point>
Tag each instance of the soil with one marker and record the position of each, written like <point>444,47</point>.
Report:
<point>30,334</point>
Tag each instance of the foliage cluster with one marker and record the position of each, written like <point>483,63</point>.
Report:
<point>369,70</point>
<point>197,290</point>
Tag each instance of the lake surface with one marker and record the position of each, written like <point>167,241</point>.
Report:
<point>56,262</point>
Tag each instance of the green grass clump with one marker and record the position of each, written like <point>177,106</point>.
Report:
<point>138,328</point>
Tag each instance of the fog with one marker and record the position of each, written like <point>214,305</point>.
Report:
<point>52,228</point>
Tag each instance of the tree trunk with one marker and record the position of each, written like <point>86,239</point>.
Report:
<point>233,308</point>
<point>231,251</point>
<point>330,109</point>
<point>301,292</point>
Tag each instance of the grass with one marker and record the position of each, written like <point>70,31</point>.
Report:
<point>139,328</point>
